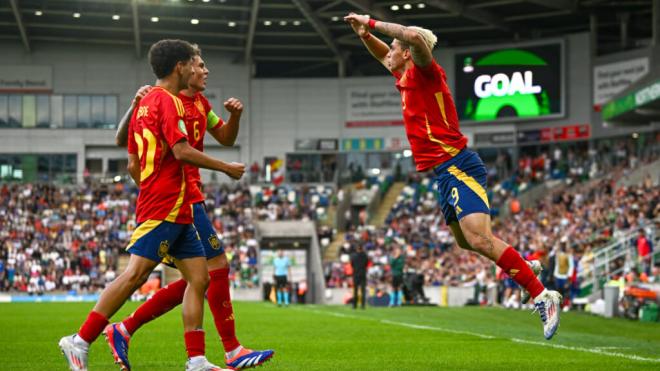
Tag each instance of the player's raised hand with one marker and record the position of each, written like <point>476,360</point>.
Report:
<point>359,28</point>
<point>144,90</point>
<point>235,170</point>
<point>359,23</point>
<point>234,106</point>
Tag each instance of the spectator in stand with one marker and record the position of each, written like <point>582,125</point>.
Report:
<point>644,252</point>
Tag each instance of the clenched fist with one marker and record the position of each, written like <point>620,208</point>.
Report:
<point>235,170</point>
<point>234,106</point>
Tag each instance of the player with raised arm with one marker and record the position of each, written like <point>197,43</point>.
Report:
<point>199,116</point>
<point>164,212</point>
<point>437,144</point>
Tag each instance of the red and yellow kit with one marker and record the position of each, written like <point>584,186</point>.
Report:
<point>429,115</point>
<point>156,126</point>
<point>198,117</point>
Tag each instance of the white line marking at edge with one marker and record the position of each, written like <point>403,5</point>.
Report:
<point>597,350</point>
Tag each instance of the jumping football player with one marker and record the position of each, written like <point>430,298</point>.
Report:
<point>432,128</point>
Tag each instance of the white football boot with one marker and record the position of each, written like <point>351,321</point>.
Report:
<point>548,304</point>
<point>75,354</point>
<point>202,364</point>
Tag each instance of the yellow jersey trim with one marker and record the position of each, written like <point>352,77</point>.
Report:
<point>177,103</point>
<point>142,230</point>
<point>470,182</point>
<point>171,217</point>
<point>453,151</point>
<point>441,104</point>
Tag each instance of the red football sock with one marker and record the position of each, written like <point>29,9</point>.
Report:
<point>514,265</point>
<point>162,302</point>
<point>93,326</point>
<point>220,303</point>
<point>194,343</point>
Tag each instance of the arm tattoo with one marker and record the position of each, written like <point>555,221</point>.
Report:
<point>393,30</point>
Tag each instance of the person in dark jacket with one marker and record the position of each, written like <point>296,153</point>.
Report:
<point>359,262</point>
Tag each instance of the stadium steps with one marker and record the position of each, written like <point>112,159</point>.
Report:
<point>378,219</point>
<point>331,254</point>
<point>331,216</point>
<point>638,175</point>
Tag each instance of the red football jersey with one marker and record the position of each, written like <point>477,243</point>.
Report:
<point>156,126</point>
<point>199,116</point>
<point>429,115</point>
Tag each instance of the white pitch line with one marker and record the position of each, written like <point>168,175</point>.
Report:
<point>588,350</point>
<point>431,328</point>
<point>597,350</point>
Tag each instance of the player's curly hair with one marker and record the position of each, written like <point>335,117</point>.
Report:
<point>165,54</point>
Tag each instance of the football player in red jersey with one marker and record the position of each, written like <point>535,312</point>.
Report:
<point>199,116</point>
<point>437,144</point>
<point>164,209</point>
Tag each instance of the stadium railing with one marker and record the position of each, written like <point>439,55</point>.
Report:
<point>602,268</point>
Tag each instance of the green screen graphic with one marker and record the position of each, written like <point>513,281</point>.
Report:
<point>522,82</point>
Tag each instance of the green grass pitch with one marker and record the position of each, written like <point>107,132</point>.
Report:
<point>338,338</point>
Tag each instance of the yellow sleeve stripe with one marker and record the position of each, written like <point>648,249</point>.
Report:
<point>445,147</point>
<point>177,103</point>
<point>470,182</point>
<point>179,106</point>
<point>142,230</point>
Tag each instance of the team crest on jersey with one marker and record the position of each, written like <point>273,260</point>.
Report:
<point>200,107</point>
<point>214,241</point>
<point>164,248</point>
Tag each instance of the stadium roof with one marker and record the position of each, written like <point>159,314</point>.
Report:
<point>308,37</point>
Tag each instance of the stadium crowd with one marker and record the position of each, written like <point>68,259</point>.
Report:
<point>57,238</point>
<point>572,165</point>
<point>70,238</point>
<point>583,213</point>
